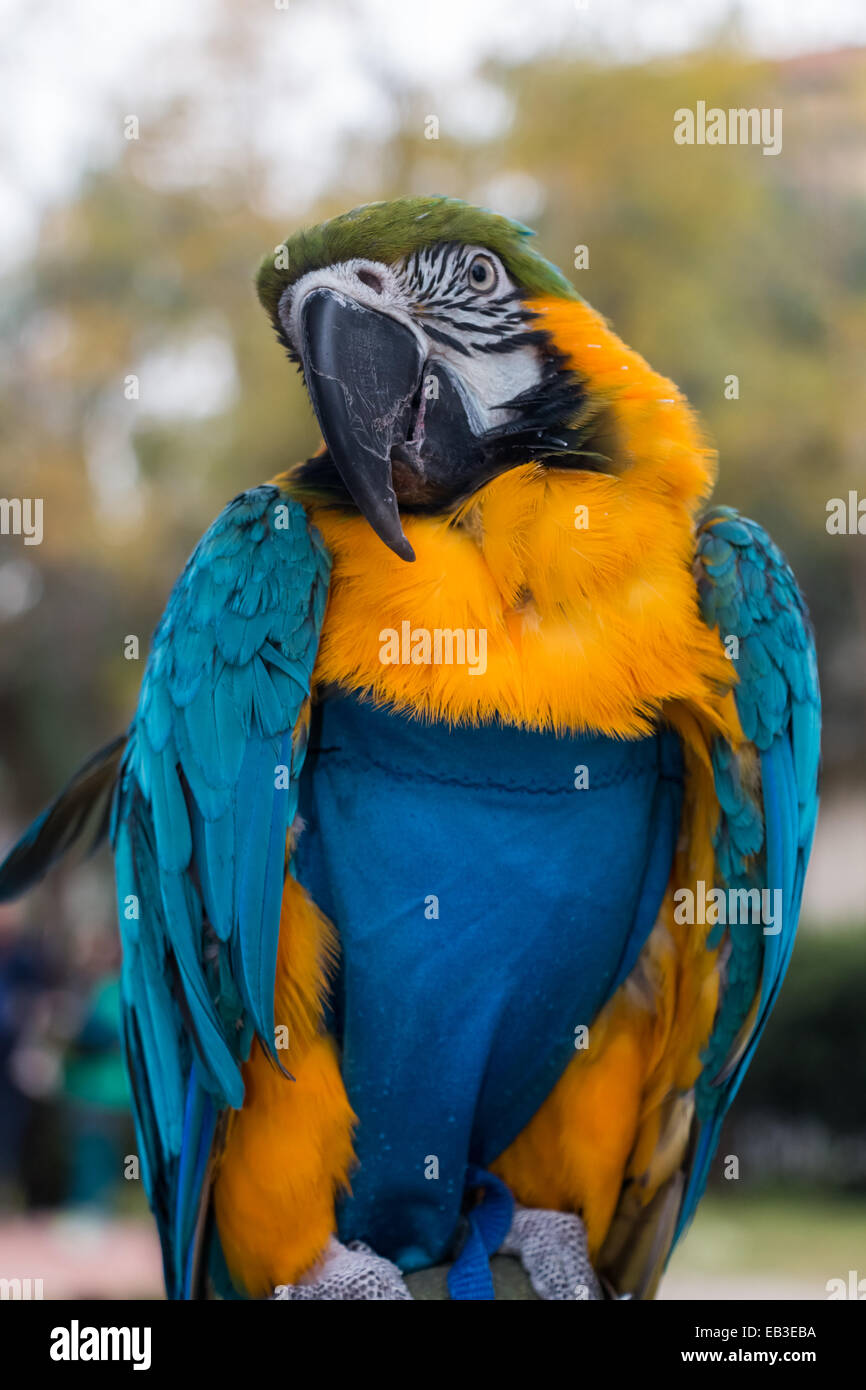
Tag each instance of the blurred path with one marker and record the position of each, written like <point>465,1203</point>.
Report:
<point>79,1256</point>
<point>727,1289</point>
<point>85,1257</point>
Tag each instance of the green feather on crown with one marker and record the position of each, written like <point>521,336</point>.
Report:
<point>388,231</point>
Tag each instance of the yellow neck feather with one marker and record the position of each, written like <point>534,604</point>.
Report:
<point>580,581</point>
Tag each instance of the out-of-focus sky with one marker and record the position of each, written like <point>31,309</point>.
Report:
<point>315,73</point>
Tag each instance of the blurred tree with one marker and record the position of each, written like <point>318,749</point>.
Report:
<point>711,261</point>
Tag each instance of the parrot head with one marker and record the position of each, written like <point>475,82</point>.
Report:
<point>427,363</point>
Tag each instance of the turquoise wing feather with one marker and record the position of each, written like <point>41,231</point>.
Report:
<point>199,829</point>
<point>766,822</point>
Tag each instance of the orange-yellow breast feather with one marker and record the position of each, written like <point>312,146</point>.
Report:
<point>580,580</point>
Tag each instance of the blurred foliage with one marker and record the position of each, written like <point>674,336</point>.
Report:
<point>710,261</point>
<point>811,1064</point>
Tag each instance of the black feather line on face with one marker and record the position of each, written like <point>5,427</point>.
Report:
<point>552,420</point>
<point>285,342</point>
<point>512,344</point>
<point>445,338</point>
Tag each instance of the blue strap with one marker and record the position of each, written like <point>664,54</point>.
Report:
<point>469,1277</point>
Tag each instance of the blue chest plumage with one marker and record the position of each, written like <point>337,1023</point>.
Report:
<point>486,908</point>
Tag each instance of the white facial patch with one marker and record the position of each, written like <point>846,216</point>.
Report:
<point>489,381</point>
<point>432,294</point>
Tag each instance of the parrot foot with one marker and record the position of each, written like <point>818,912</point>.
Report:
<point>552,1247</point>
<point>352,1271</point>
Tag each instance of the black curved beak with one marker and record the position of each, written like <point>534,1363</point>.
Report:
<point>363,371</point>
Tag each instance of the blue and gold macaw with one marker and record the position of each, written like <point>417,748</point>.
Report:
<point>461,828</point>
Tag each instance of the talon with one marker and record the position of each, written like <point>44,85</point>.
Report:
<point>552,1247</point>
<point>352,1271</point>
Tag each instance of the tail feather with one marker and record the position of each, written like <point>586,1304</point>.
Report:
<point>85,801</point>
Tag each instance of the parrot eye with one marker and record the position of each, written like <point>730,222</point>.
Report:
<point>481,273</point>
